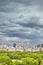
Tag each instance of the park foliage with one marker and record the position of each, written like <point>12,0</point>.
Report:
<point>21,58</point>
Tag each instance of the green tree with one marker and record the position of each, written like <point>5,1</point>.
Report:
<point>5,60</point>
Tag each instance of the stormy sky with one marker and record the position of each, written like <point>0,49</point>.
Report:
<point>21,21</point>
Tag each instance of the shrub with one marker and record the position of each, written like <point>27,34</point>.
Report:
<point>29,61</point>
<point>5,60</point>
<point>18,63</point>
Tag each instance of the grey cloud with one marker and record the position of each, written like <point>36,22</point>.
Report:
<point>33,22</point>
<point>10,6</point>
<point>22,35</point>
<point>17,1</point>
<point>21,18</point>
<point>3,3</point>
<point>31,25</point>
<point>19,33</point>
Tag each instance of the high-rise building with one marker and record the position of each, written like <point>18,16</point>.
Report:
<point>14,45</point>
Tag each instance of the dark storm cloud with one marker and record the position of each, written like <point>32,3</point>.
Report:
<point>13,4</point>
<point>22,35</point>
<point>24,2</point>
<point>4,2</point>
<point>32,23</point>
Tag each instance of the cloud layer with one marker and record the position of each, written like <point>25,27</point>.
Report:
<point>21,20</point>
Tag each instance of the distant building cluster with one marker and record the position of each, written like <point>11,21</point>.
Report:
<point>22,48</point>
